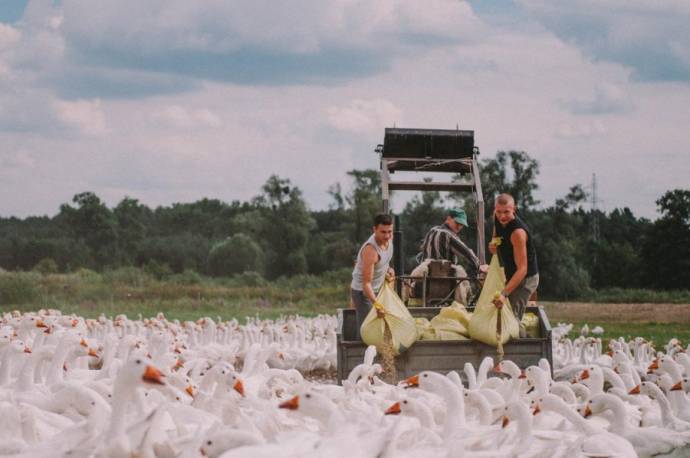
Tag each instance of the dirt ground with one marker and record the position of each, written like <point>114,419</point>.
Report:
<point>619,313</point>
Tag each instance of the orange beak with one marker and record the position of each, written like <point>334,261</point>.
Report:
<point>153,375</point>
<point>635,390</point>
<point>505,421</point>
<point>292,404</point>
<point>83,343</point>
<point>522,374</point>
<point>677,387</point>
<point>584,375</point>
<point>75,322</point>
<point>497,369</point>
<point>190,390</point>
<point>654,366</point>
<point>41,324</point>
<point>412,382</point>
<point>588,411</point>
<point>27,350</point>
<point>394,409</point>
<point>610,353</point>
<point>178,364</point>
<point>93,353</point>
<point>536,410</point>
<point>238,387</point>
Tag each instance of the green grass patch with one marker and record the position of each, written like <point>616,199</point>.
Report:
<point>660,333</point>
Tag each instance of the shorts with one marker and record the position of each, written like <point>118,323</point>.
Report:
<point>362,306</point>
<point>521,295</point>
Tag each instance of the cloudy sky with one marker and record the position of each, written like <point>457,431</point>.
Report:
<point>174,100</point>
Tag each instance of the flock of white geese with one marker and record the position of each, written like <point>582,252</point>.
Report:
<point>155,387</point>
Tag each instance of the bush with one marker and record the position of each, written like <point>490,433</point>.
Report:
<point>130,276</point>
<point>235,255</point>
<point>188,277</point>
<point>249,279</point>
<point>157,270</point>
<point>46,266</point>
<point>18,288</point>
<point>88,274</point>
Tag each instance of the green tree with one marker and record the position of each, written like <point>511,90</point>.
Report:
<point>285,227</point>
<point>364,201</point>
<point>235,255</point>
<point>92,223</point>
<point>133,220</point>
<point>513,172</point>
<point>666,245</point>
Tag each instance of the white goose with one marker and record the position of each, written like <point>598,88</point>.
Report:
<point>647,441</point>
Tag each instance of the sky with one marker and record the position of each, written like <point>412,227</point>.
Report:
<point>171,101</point>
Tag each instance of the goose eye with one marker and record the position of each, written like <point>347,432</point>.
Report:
<point>307,395</point>
<point>209,443</point>
<point>93,403</point>
<point>405,402</point>
<point>426,375</point>
<point>138,361</point>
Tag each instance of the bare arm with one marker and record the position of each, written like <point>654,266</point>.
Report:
<point>369,258</point>
<point>519,240</point>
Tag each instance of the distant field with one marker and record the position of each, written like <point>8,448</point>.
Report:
<point>189,297</point>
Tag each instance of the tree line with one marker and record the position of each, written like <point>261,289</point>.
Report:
<point>275,234</point>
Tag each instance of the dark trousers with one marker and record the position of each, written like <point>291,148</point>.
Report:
<point>362,306</point>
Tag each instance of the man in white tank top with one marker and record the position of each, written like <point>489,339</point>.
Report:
<point>372,267</point>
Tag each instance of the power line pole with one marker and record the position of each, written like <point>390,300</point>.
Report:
<point>595,212</point>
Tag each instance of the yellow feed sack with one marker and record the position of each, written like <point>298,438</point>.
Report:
<point>458,312</point>
<point>484,322</point>
<point>424,329</point>
<point>531,323</point>
<point>396,316</point>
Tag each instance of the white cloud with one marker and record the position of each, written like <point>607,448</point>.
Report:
<point>179,117</point>
<point>606,99</point>
<point>364,116</point>
<point>84,115</point>
<point>644,35</point>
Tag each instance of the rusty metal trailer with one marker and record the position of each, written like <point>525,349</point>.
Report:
<point>442,356</point>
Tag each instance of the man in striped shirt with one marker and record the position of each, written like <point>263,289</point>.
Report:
<point>443,242</point>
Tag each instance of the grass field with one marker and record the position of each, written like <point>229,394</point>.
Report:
<point>188,296</point>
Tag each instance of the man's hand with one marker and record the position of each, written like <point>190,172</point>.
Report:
<point>492,248</point>
<point>390,275</point>
<point>380,309</point>
<point>499,300</point>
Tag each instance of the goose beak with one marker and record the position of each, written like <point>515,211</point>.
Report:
<point>83,343</point>
<point>505,421</point>
<point>497,369</point>
<point>635,390</point>
<point>522,374</point>
<point>93,353</point>
<point>75,322</point>
<point>239,387</point>
<point>588,411</point>
<point>677,387</point>
<point>584,375</point>
<point>292,404</point>
<point>610,353</point>
<point>394,409</point>
<point>654,366</point>
<point>41,324</point>
<point>536,410</point>
<point>412,382</point>
<point>153,375</point>
<point>27,350</point>
<point>190,390</point>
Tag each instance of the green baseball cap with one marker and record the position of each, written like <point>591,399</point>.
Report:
<point>459,216</point>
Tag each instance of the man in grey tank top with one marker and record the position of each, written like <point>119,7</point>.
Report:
<point>372,267</point>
